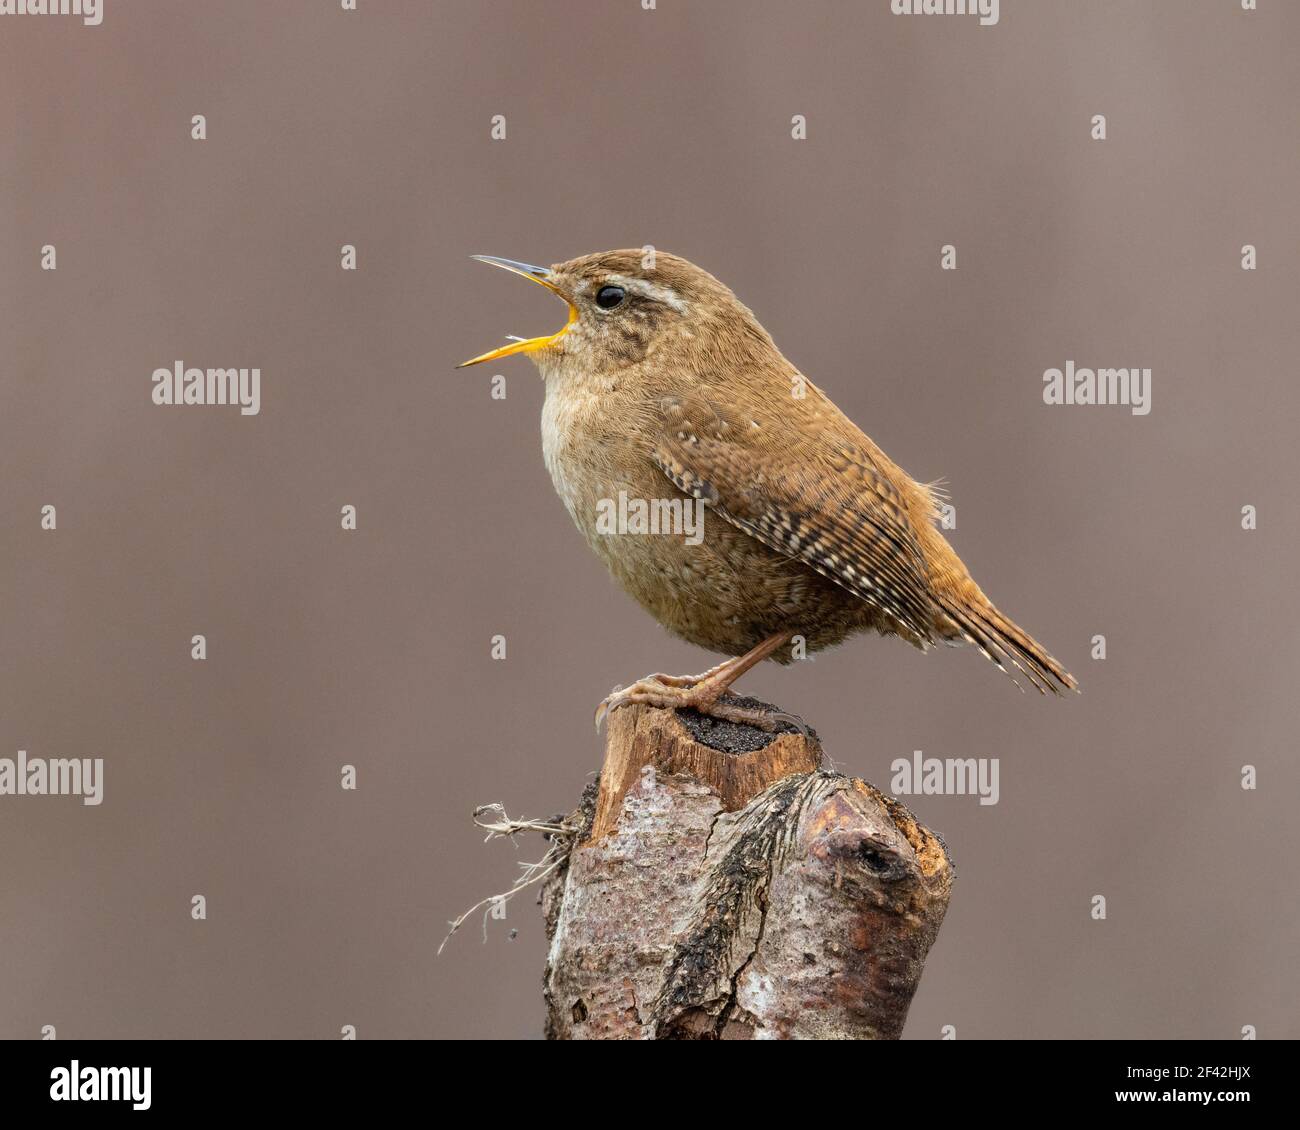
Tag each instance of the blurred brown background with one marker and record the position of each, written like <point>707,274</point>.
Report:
<point>626,127</point>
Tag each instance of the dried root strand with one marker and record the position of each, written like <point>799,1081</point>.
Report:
<point>494,820</point>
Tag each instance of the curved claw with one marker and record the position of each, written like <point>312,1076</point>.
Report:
<point>608,703</point>
<point>792,719</point>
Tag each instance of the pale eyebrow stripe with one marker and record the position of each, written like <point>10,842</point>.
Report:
<point>664,294</point>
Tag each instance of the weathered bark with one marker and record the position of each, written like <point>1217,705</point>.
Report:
<point>724,886</point>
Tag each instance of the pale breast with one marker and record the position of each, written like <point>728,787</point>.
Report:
<point>592,466</point>
<point>563,419</point>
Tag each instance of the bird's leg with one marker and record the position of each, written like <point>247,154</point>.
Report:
<point>704,692</point>
<point>685,680</point>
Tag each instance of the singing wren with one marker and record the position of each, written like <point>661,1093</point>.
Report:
<point>662,385</point>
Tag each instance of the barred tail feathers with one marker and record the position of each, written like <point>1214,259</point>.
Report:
<point>999,638</point>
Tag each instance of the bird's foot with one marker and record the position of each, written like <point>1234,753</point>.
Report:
<point>704,692</point>
<point>685,692</point>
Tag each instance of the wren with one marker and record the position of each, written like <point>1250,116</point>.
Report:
<point>663,385</point>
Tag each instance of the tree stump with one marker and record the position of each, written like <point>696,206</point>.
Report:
<point>722,885</point>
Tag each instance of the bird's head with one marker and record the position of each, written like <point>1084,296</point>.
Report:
<point>625,305</point>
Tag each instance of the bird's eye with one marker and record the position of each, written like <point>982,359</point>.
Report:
<point>607,297</point>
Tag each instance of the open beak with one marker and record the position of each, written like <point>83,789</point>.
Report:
<point>541,276</point>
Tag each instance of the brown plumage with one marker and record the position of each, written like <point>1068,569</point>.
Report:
<point>664,385</point>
